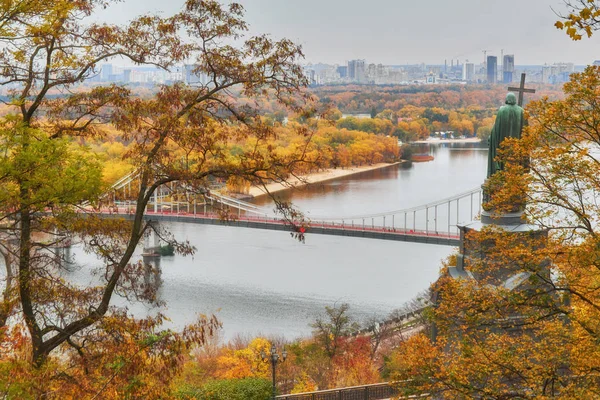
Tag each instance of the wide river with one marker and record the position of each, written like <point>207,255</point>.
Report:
<point>265,282</point>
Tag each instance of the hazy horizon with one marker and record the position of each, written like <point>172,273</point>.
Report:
<point>400,32</point>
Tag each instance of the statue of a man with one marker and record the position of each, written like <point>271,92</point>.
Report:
<point>509,123</point>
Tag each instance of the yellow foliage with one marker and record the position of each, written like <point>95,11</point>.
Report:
<point>244,363</point>
<point>304,384</point>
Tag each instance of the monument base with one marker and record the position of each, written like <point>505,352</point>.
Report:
<point>471,249</point>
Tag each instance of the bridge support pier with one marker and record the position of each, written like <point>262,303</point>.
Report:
<point>151,243</point>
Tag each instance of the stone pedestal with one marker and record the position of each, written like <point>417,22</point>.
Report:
<point>506,275</point>
<point>475,250</point>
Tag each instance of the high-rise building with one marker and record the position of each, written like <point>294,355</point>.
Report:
<point>468,72</point>
<point>352,69</point>
<point>107,71</point>
<point>343,71</point>
<point>508,68</point>
<point>126,75</point>
<point>546,73</point>
<point>356,70</point>
<point>492,69</point>
<point>310,76</point>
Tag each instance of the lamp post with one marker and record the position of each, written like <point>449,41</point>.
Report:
<point>274,359</point>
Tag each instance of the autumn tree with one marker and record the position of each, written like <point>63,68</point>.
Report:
<point>537,334</point>
<point>331,328</point>
<point>246,362</point>
<point>180,134</point>
<point>582,18</point>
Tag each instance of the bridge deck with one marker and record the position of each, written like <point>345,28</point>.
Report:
<point>325,228</point>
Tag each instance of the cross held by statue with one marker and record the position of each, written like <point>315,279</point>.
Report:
<point>521,89</point>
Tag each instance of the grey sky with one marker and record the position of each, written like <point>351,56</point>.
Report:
<point>406,31</point>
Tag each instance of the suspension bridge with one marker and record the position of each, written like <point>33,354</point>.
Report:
<point>433,223</point>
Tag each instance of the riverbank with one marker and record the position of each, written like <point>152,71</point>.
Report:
<point>317,177</point>
<point>433,141</point>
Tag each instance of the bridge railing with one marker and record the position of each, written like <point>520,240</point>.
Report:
<point>436,219</point>
<point>339,226</point>
<point>405,318</point>
<point>364,226</point>
<point>377,391</point>
<point>439,218</point>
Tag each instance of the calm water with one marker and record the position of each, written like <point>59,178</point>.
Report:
<point>264,282</point>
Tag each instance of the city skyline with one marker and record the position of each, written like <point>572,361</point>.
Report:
<point>361,72</point>
<point>404,32</point>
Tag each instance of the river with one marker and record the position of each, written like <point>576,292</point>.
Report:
<point>265,282</point>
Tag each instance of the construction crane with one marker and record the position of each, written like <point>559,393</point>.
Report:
<point>485,59</point>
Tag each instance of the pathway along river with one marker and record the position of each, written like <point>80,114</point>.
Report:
<point>265,282</point>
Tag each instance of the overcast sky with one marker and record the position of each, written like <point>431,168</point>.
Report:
<point>405,31</point>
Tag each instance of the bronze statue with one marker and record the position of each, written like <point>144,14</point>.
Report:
<point>509,123</point>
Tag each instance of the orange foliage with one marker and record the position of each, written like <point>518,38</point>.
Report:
<point>528,326</point>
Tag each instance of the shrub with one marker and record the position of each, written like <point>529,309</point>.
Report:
<point>229,389</point>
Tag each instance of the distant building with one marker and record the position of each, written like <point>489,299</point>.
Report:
<point>508,68</point>
<point>343,71</point>
<point>126,75</point>
<point>352,69</point>
<point>546,72</point>
<point>310,76</point>
<point>190,77</point>
<point>561,77</point>
<point>557,73</point>
<point>356,70</point>
<point>430,78</point>
<point>468,72</point>
<point>492,69</point>
<point>107,71</point>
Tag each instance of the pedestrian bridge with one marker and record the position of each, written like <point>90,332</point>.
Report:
<point>432,223</point>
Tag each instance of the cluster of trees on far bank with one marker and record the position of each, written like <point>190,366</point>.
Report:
<point>412,112</point>
<point>328,146</point>
<point>416,112</point>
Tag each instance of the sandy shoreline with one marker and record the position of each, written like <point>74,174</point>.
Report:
<point>466,140</point>
<point>323,176</point>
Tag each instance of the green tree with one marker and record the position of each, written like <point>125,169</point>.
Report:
<point>229,389</point>
<point>331,328</point>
